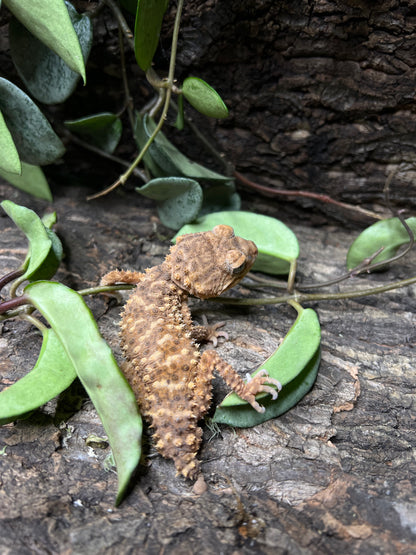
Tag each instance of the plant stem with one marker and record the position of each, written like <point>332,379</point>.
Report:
<point>169,85</point>
<point>11,304</point>
<point>4,280</point>
<point>137,172</point>
<point>305,194</point>
<point>129,99</point>
<point>312,297</point>
<point>121,21</point>
<point>34,321</point>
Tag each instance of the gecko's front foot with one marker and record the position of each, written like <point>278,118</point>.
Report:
<point>257,384</point>
<point>209,332</point>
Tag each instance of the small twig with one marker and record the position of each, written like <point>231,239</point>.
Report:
<point>121,21</point>
<point>12,304</point>
<point>128,97</point>
<point>305,194</point>
<point>364,266</point>
<point>4,280</point>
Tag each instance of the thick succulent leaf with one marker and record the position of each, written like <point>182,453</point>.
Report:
<point>149,17</point>
<point>277,244</point>
<point>51,375</point>
<point>9,157</point>
<point>103,130</point>
<point>94,363</point>
<point>48,78</point>
<point>35,140</point>
<point>45,249</point>
<point>129,5</point>
<point>51,24</point>
<point>244,416</point>
<point>294,364</point>
<point>179,200</point>
<point>32,180</point>
<point>389,234</point>
<point>204,98</point>
<point>166,159</point>
<point>220,197</point>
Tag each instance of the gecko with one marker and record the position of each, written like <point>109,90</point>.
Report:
<point>171,379</point>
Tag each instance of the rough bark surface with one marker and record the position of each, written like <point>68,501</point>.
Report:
<point>322,98</point>
<point>335,474</point>
<point>321,93</point>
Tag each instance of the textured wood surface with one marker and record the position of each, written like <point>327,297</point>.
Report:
<point>321,94</point>
<point>322,98</point>
<point>336,473</point>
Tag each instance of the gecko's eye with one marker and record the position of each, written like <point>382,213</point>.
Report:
<point>236,261</point>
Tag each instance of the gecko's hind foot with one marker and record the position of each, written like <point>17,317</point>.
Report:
<point>258,384</point>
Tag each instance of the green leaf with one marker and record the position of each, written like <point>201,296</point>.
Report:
<point>32,180</point>
<point>45,249</point>
<point>48,78</point>
<point>49,220</point>
<point>243,416</point>
<point>35,140</point>
<point>52,374</point>
<point>204,98</point>
<point>179,200</point>
<point>180,119</point>
<point>51,24</point>
<point>149,17</point>
<point>164,159</point>
<point>389,234</point>
<point>277,244</point>
<point>294,364</point>
<point>9,157</point>
<point>102,130</point>
<point>129,5</point>
<point>220,197</point>
<point>97,369</point>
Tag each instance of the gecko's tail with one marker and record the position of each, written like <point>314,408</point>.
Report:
<point>179,441</point>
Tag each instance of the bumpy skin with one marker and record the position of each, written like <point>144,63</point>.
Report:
<point>169,376</point>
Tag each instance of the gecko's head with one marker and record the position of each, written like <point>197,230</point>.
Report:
<point>207,264</point>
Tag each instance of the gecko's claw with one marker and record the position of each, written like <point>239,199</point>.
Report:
<point>212,332</point>
<point>257,384</point>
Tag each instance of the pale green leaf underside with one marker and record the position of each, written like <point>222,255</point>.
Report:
<point>9,157</point>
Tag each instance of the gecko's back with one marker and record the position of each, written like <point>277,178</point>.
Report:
<point>161,367</point>
<point>170,378</point>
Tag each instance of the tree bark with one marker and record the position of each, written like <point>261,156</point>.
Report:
<point>321,94</point>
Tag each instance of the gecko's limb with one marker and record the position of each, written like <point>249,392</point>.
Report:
<point>211,360</point>
<point>121,276</point>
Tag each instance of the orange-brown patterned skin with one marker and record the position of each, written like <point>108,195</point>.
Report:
<point>168,374</point>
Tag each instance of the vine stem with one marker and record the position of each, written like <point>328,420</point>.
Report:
<point>306,194</point>
<point>311,297</point>
<point>14,303</point>
<point>4,280</point>
<point>169,83</point>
